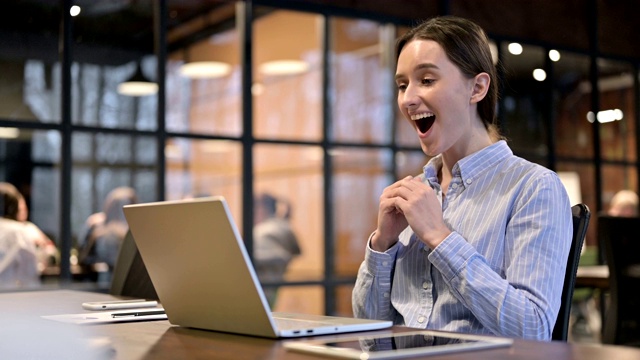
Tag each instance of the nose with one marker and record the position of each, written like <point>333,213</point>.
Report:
<point>408,98</point>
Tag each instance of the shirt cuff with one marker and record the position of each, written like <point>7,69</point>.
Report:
<point>451,255</point>
<point>380,263</point>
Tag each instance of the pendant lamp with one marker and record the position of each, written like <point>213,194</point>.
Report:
<point>137,85</point>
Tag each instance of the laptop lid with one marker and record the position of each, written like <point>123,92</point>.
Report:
<point>202,273</point>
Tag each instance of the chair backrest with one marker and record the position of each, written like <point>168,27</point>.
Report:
<point>620,239</point>
<point>581,216</point>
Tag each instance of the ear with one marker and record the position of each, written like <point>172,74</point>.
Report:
<point>480,87</point>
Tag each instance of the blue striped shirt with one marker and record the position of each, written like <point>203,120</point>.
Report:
<point>500,271</point>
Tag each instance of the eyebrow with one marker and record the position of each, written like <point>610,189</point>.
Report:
<point>420,67</point>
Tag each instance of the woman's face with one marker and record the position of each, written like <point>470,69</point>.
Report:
<point>435,97</point>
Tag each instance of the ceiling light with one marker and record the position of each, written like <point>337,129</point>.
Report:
<point>205,69</point>
<point>539,74</point>
<point>605,116</point>
<point>554,55</point>
<point>9,133</point>
<point>75,10</point>
<point>283,67</point>
<point>137,85</point>
<point>515,48</point>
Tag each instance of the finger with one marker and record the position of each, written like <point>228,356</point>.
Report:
<point>417,186</point>
<point>389,205</point>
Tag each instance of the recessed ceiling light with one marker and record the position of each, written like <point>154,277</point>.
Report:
<point>515,48</point>
<point>75,10</point>
<point>539,74</point>
<point>554,55</point>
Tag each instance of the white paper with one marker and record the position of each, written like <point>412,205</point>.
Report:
<point>101,317</point>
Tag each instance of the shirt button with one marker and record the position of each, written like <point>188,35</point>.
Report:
<point>469,181</point>
<point>425,285</point>
<point>421,319</point>
<point>385,263</point>
<point>386,294</point>
<point>454,186</point>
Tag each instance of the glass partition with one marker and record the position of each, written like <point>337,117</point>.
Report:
<point>360,176</point>
<point>525,122</point>
<point>204,79</point>
<point>287,68</point>
<point>207,167</point>
<point>617,114</point>
<point>114,82</point>
<point>30,161</point>
<point>290,191</point>
<point>108,171</point>
<point>410,163</point>
<point>29,63</point>
<point>362,80</point>
<point>572,103</point>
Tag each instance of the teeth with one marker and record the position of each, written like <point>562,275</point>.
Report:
<point>421,116</point>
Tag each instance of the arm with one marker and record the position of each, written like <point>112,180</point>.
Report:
<point>522,298</point>
<point>371,295</point>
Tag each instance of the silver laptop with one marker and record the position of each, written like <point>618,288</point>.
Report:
<point>203,276</point>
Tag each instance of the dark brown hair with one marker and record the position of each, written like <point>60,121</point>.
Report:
<point>467,46</point>
<point>9,201</point>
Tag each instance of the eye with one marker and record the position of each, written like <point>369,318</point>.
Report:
<point>427,81</point>
<point>401,86</point>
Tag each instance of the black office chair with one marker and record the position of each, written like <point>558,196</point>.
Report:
<point>620,239</point>
<point>581,217</point>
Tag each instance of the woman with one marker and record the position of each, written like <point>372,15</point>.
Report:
<point>478,243</point>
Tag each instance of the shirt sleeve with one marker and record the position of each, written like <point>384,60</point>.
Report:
<point>371,294</point>
<point>523,301</point>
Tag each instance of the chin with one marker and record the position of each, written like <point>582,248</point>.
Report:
<point>427,150</point>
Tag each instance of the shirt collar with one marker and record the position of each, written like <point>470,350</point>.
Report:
<point>472,166</point>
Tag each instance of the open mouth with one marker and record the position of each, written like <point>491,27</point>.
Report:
<point>425,123</point>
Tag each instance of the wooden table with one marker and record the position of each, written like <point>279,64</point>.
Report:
<point>24,334</point>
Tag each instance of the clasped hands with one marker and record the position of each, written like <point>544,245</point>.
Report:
<point>410,202</point>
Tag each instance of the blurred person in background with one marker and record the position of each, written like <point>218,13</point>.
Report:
<point>624,203</point>
<point>104,233</point>
<point>18,259</point>
<point>46,250</point>
<point>275,243</point>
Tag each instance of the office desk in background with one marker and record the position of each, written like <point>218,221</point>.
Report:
<point>24,329</point>
<point>593,276</point>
